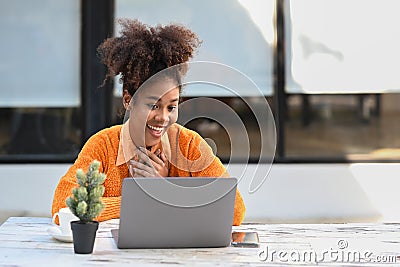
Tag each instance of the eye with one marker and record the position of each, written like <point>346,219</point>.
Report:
<point>152,106</point>
<point>171,108</point>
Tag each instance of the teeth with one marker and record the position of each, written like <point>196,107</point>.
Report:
<point>159,129</point>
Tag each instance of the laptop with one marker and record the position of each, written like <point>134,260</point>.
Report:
<point>176,212</point>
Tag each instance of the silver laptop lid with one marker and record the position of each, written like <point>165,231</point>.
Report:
<point>176,212</point>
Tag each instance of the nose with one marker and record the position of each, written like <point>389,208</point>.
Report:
<point>161,115</point>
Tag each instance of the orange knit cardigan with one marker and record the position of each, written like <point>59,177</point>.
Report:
<point>103,146</point>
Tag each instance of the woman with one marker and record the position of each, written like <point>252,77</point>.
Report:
<point>150,143</point>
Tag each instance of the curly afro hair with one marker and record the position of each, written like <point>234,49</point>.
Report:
<point>141,51</point>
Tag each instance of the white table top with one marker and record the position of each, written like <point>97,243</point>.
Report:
<point>24,241</point>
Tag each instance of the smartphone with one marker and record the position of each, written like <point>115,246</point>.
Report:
<point>245,239</point>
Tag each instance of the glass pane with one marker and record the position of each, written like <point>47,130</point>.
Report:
<point>236,33</point>
<point>354,127</point>
<point>221,138</point>
<point>40,79</point>
<point>342,62</point>
<point>34,131</point>
<point>39,59</point>
<point>342,46</point>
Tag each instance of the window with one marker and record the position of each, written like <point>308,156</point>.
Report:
<point>40,75</point>
<point>342,81</point>
<point>338,101</point>
<point>238,34</point>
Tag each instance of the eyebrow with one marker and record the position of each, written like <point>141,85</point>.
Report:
<point>155,98</point>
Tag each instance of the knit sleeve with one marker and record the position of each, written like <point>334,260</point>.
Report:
<point>206,164</point>
<point>94,149</point>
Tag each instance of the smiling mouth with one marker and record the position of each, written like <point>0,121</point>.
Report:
<point>154,128</point>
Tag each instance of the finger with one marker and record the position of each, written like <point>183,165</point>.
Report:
<point>131,172</point>
<point>156,159</point>
<point>132,166</point>
<point>143,162</point>
<point>141,166</point>
<point>163,157</point>
<point>149,158</point>
<point>141,173</point>
<point>143,156</point>
<point>141,151</point>
<point>156,170</point>
<point>145,173</point>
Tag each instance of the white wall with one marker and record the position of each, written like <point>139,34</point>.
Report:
<point>28,188</point>
<point>291,193</point>
<point>324,193</point>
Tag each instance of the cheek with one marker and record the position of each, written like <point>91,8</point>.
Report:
<point>139,117</point>
<point>141,114</point>
<point>173,117</point>
<point>149,115</point>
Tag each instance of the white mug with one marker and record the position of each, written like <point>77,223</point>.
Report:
<point>65,216</point>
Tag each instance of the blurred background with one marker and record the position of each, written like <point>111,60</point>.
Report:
<point>329,70</point>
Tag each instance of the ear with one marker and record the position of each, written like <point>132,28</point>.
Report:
<point>126,99</point>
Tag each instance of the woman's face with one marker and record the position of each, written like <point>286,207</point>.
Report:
<point>153,110</point>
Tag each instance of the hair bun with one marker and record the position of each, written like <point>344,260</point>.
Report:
<point>141,51</point>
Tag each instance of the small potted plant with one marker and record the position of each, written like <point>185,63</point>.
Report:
<point>85,203</point>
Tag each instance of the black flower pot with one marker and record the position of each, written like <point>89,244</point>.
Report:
<point>84,234</point>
